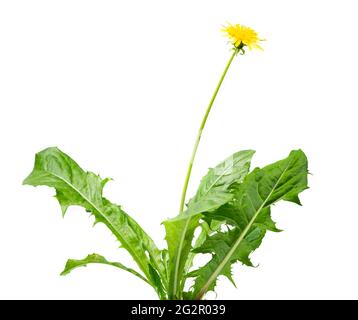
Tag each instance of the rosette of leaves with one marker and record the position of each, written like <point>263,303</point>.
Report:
<point>232,208</point>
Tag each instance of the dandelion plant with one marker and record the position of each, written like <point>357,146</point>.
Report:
<point>231,208</point>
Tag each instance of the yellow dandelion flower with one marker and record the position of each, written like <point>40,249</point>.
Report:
<point>241,36</point>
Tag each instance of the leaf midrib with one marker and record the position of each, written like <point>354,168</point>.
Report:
<point>134,255</point>
<point>181,243</point>
<point>238,241</point>
<point>220,176</point>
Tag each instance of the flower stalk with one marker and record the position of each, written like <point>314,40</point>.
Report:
<point>201,128</point>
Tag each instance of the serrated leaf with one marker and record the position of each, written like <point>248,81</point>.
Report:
<point>94,258</point>
<point>249,212</point>
<point>74,186</point>
<point>206,230</point>
<point>219,245</point>
<point>212,193</point>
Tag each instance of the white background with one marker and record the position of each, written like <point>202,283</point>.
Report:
<point>121,86</point>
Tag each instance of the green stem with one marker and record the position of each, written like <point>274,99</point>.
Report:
<point>202,125</point>
<point>176,282</point>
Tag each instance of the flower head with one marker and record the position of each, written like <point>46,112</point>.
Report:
<point>241,36</point>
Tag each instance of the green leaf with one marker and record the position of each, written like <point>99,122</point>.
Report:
<point>219,245</point>
<point>74,186</point>
<point>96,258</point>
<point>249,213</point>
<point>213,189</point>
<point>206,230</point>
<point>179,236</point>
<point>212,193</point>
